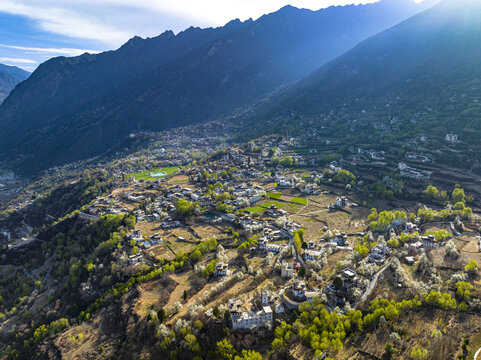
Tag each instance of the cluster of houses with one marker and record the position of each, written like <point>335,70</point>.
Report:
<point>105,205</point>
<point>264,245</point>
<point>287,269</point>
<point>274,212</point>
<point>285,182</point>
<point>368,155</point>
<point>313,252</point>
<point>301,292</point>
<point>379,253</point>
<point>412,173</point>
<point>154,239</point>
<point>311,189</point>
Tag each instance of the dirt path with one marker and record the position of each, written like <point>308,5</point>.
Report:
<point>370,288</point>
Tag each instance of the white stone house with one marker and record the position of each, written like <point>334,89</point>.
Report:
<point>244,320</point>
<point>341,202</point>
<point>287,270</point>
<point>312,255</point>
<point>452,138</point>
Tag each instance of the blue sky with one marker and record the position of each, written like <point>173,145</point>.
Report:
<point>32,31</point>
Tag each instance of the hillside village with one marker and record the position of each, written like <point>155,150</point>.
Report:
<point>298,185</point>
<point>245,236</point>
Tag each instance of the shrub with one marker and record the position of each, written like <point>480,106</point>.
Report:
<point>471,267</point>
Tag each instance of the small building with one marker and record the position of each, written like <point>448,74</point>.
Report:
<point>341,239</point>
<point>248,320</point>
<point>429,242</point>
<point>348,274</point>
<point>411,228</point>
<point>135,259</point>
<point>245,221</point>
<point>222,269</point>
<point>262,244</point>
<point>312,255</point>
<point>376,258</point>
<point>287,270</point>
<point>299,288</point>
<point>341,202</point>
<point>275,249</point>
<point>452,138</point>
<point>415,248</point>
<point>311,295</point>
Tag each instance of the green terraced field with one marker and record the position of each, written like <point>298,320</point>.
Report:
<point>145,174</point>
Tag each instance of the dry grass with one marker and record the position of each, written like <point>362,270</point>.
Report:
<point>150,294</point>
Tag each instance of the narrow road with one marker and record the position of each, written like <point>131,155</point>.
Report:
<point>370,288</point>
<point>29,228</point>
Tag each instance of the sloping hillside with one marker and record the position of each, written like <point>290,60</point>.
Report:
<point>74,108</point>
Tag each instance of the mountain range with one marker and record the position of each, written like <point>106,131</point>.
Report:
<point>76,108</point>
<point>424,61</point>
<point>10,76</point>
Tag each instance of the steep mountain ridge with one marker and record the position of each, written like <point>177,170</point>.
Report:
<point>80,107</point>
<point>427,58</point>
<point>10,76</point>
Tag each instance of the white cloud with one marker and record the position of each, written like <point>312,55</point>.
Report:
<point>54,51</point>
<point>59,17</point>
<point>17,60</point>
<point>114,21</point>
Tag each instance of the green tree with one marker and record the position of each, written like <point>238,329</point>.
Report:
<point>184,207</point>
<point>418,353</point>
<point>344,176</point>
<point>387,194</point>
<point>249,355</point>
<point>227,315</point>
<point>286,161</point>
<point>431,192</point>
<point>444,195</point>
<point>192,343</point>
<point>297,242</point>
<point>338,283</point>
<point>302,272</point>
<point>161,315</point>
<point>195,256</point>
<point>463,289</point>
<point>459,206</point>
<point>225,350</point>
<point>471,267</point>
<point>374,215</point>
<point>277,344</point>
<point>199,325</point>
<point>301,233</point>
<point>458,196</point>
